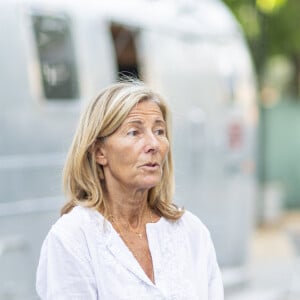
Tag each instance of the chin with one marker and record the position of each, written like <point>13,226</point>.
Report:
<point>148,182</point>
<point>150,185</point>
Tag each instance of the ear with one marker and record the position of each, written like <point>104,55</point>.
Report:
<point>100,155</point>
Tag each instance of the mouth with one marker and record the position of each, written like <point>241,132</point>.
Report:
<point>151,165</point>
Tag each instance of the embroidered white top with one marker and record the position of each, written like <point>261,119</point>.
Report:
<point>83,258</point>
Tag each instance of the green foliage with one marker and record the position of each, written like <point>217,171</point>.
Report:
<point>271,28</point>
<point>249,20</point>
<point>269,6</point>
<point>283,29</point>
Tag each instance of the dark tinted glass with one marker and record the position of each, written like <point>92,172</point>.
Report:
<point>56,55</point>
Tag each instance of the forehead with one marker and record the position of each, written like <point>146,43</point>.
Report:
<point>145,109</point>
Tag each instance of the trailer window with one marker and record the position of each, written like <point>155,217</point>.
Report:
<point>56,56</point>
<point>125,50</point>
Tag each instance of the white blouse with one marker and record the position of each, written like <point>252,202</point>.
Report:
<point>84,258</point>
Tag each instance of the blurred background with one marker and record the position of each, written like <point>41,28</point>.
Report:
<point>270,28</point>
<point>230,71</point>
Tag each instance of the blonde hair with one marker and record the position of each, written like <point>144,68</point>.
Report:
<point>83,178</point>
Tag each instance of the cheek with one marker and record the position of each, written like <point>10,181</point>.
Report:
<point>125,157</point>
<point>165,148</point>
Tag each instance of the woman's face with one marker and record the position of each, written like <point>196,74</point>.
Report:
<point>133,156</point>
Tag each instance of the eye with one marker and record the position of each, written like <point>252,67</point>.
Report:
<point>160,131</point>
<point>132,132</point>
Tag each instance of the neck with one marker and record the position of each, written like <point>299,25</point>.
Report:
<point>130,209</point>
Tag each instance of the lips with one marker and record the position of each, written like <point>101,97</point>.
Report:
<point>151,165</point>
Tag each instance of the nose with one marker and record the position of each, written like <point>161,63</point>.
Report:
<point>151,143</point>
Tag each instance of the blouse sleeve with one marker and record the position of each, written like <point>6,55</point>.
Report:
<point>204,255</point>
<point>64,271</point>
<point>215,284</point>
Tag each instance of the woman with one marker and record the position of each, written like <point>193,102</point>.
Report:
<point>120,236</point>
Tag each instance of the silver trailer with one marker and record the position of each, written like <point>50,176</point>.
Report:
<point>55,56</point>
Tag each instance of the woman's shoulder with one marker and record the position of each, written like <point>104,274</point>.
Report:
<point>74,222</point>
<point>68,236</point>
<point>193,223</point>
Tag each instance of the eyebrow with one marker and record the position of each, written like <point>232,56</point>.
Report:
<point>139,122</point>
